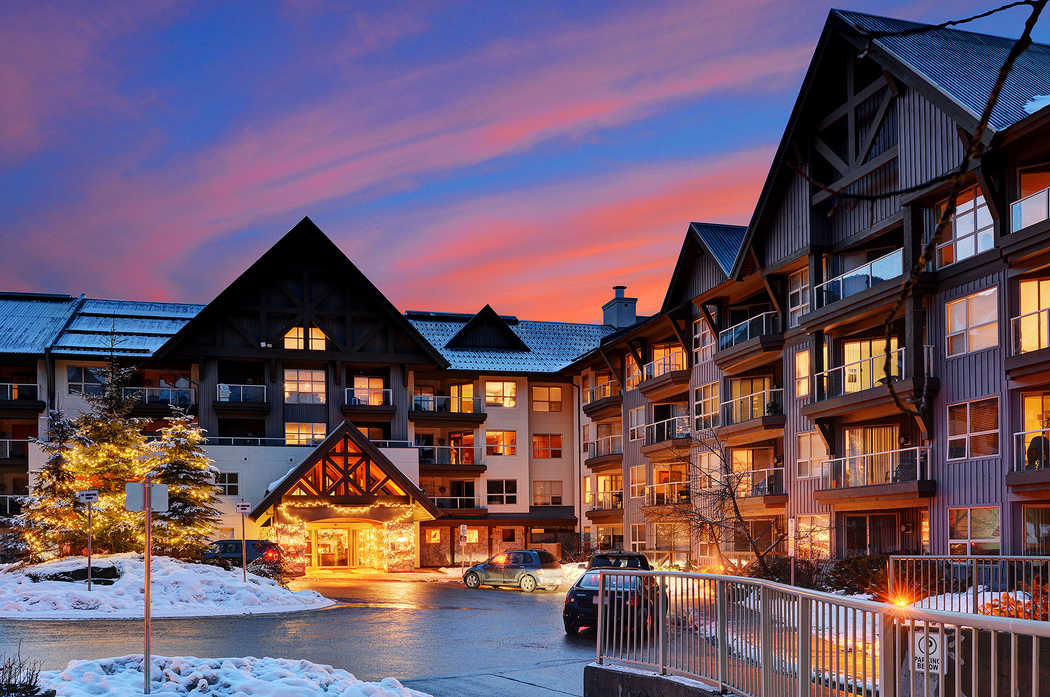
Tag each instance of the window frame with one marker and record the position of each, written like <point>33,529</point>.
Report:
<point>987,231</point>
<point>970,540</point>
<point>83,383</point>
<point>637,487</point>
<point>802,382</point>
<point>503,497</point>
<point>292,397</point>
<point>539,448</point>
<point>966,330</point>
<point>968,435</point>
<point>704,420</point>
<point>636,431</point>
<point>803,290</point>
<point>300,436</point>
<point>552,497</point>
<point>504,399</point>
<point>224,484</point>
<point>809,436</point>
<point>703,341</point>
<point>551,405</point>
<point>632,373</point>
<point>637,541</point>
<point>504,446</point>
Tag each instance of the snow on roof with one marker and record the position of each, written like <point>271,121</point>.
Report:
<point>127,327</point>
<point>29,322</point>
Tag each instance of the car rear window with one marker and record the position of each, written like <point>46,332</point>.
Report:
<point>547,560</point>
<point>620,562</point>
<point>590,581</point>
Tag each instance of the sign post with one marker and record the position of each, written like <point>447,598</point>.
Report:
<point>462,546</point>
<point>147,497</point>
<point>792,534</point>
<point>89,497</point>
<point>243,507</point>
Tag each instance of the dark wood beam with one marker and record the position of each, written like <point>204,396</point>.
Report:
<point>609,365</point>
<point>856,175</point>
<point>876,123</point>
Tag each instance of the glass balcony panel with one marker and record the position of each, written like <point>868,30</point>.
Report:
<point>870,469</point>
<point>1030,210</point>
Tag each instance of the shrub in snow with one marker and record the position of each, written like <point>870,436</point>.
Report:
<point>20,677</point>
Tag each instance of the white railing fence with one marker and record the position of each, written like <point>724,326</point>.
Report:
<point>368,397</point>
<point>765,324</point>
<point>675,360</point>
<point>859,279</point>
<point>668,429</point>
<point>13,448</point>
<point>1030,331</point>
<point>240,394</point>
<point>178,396</point>
<point>601,391</point>
<point>1030,210</point>
<point>443,404</point>
<point>10,505</point>
<point>451,454</point>
<point>759,638</point>
<point>600,447</point>
<point>886,467</point>
<point>753,406</point>
<point>607,500</point>
<point>459,502</point>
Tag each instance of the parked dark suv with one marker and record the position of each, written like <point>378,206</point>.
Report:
<point>528,569</point>
<point>619,560</point>
<point>229,551</point>
<point>633,597</point>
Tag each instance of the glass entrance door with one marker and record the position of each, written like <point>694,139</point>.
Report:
<point>333,548</point>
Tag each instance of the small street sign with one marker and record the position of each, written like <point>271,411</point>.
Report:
<point>88,496</point>
<point>927,649</point>
<point>133,497</point>
<point>242,507</point>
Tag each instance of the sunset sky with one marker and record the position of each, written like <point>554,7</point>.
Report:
<point>529,156</point>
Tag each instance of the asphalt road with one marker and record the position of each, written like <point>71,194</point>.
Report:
<point>436,637</point>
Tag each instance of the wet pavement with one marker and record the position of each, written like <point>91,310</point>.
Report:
<point>436,637</point>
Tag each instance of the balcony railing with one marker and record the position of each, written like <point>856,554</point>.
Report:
<point>596,392</point>
<point>1030,331</point>
<point>607,500</point>
<point>858,376</point>
<point>457,502</point>
<point>1032,450</point>
<point>765,324</point>
<point>259,441</point>
<point>675,360</point>
<point>606,445</point>
<point>13,449</point>
<point>859,279</point>
<point>10,505</point>
<point>157,396</point>
<point>868,469</point>
<point>240,394</point>
<point>753,406</point>
<point>765,481</point>
<point>1030,210</point>
<point>668,429</point>
<point>451,454</point>
<point>667,494</point>
<point>439,404</point>
<point>15,391</point>
<point>368,397</point>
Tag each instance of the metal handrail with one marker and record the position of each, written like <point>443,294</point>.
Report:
<point>368,396</point>
<point>885,467</point>
<point>667,429</point>
<point>15,391</point>
<point>13,448</point>
<point>241,441</point>
<point>1030,210</point>
<point>765,324</point>
<point>752,406</point>
<point>751,637</point>
<point>857,376</point>
<point>667,493</point>
<point>459,502</point>
<point>866,275</point>
<point>596,392</point>
<point>761,481</point>
<point>444,404</point>
<point>451,454</point>
<point>1030,331</point>
<point>240,394</point>
<point>180,396</point>
<point>606,445</point>
<point>1032,450</point>
<point>675,360</point>
<point>607,500</point>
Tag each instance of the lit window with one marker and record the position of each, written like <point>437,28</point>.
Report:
<point>317,339</point>
<point>84,380</point>
<point>303,386</point>
<point>462,401</point>
<point>636,422</point>
<point>703,341</point>
<point>812,452</point>
<point>433,536</point>
<point>546,445</point>
<point>973,322</point>
<point>501,442</point>
<point>706,406</point>
<point>798,296</point>
<point>1037,530</point>
<point>294,339</point>
<point>973,429</point>
<point>637,536</point>
<point>472,536</point>
<point>970,230</point>
<point>368,390</point>
<point>802,374</point>
<point>633,372</point>
<point>502,491</point>
<point>973,530</point>
<point>546,493</point>
<point>813,537</point>
<point>226,483</point>
<point>501,394</point>
<point>546,398</point>
<point>638,481</point>
<point>303,433</point>
<point>1031,329</point>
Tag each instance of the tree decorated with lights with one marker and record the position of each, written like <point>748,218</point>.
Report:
<point>48,518</point>
<point>180,462</point>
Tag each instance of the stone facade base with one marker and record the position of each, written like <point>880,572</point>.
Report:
<point>610,681</point>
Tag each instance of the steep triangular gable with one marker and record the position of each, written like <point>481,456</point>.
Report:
<point>487,330</point>
<point>720,244</point>
<point>345,465</point>
<point>304,280</point>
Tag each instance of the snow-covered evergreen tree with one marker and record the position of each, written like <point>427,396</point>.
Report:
<point>180,462</point>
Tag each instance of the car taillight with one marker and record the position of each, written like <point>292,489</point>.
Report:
<point>270,555</point>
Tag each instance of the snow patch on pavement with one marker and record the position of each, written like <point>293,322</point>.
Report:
<point>215,677</point>
<point>179,589</point>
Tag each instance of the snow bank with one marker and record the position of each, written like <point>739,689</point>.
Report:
<point>179,589</point>
<point>215,677</point>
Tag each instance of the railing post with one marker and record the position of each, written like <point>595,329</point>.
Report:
<point>661,634</point>
<point>599,645</point>
<point>723,635</point>
<point>804,650</point>
<point>766,642</point>
<point>887,656</point>
<point>973,584</point>
<point>889,579</point>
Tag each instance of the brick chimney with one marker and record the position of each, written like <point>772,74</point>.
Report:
<point>620,311</point>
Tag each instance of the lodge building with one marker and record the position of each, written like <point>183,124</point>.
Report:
<point>366,436</point>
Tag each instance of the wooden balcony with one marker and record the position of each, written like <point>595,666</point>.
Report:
<point>1030,475</point>
<point>666,377</point>
<point>750,344</point>
<point>608,407</point>
<point>605,507</point>
<point>604,454</point>
<point>890,479</point>
<point>668,439</point>
<point>368,404</point>
<point>20,400</point>
<point>453,411</point>
<point>752,418</point>
<point>156,402</point>
<point>241,400</point>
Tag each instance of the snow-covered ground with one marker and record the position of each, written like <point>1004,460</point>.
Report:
<point>179,589</point>
<point>215,677</point>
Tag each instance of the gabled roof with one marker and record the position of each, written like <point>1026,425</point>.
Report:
<point>964,65</point>
<point>30,322</point>
<point>487,331</point>
<point>123,327</point>
<point>368,449</point>
<point>306,235</point>
<point>548,346</point>
<point>725,244</point>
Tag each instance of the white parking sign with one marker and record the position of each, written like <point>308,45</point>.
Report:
<point>927,650</point>
<point>242,507</point>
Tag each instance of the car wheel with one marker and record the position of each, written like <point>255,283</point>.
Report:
<point>571,627</point>
<point>471,580</point>
<point>527,583</point>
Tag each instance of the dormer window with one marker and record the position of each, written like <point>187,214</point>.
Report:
<point>296,339</point>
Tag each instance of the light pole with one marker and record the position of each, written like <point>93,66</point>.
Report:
<point>243,507</point>
<point>88,497</point>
